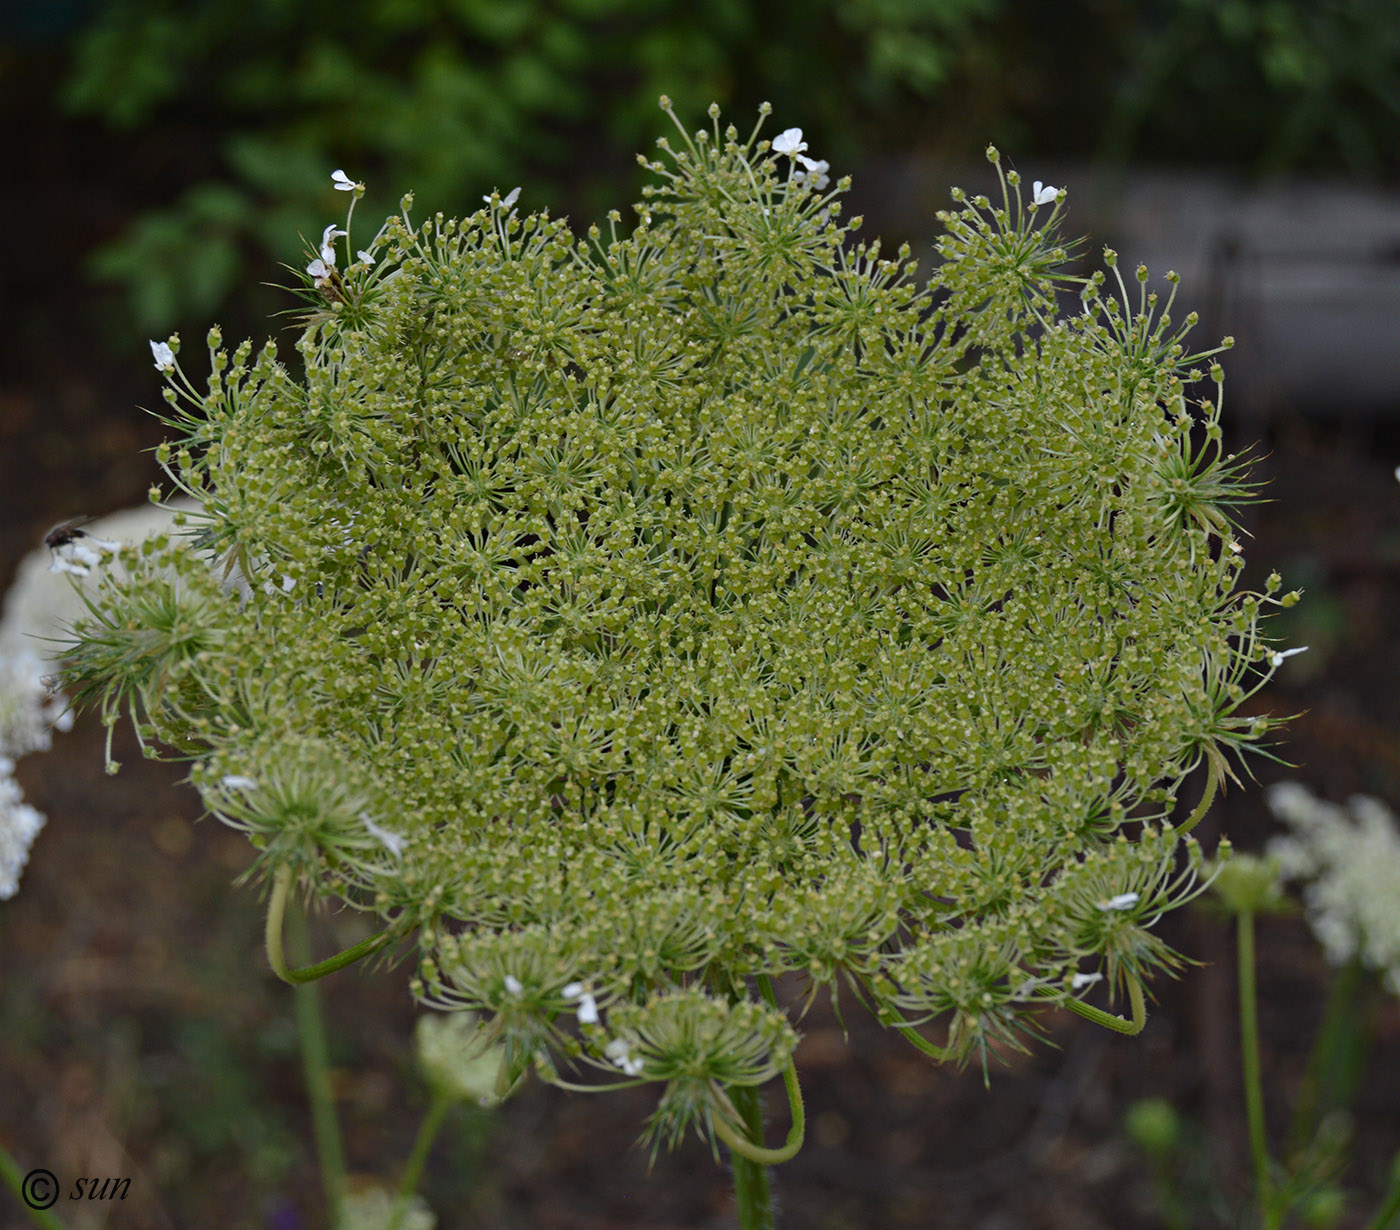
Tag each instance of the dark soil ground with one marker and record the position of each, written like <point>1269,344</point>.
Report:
<point>141,1034</point>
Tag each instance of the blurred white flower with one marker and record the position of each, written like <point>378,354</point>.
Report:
<point>587,1005</point>
<point>514,985</point>
<point>238,781</point>
<point>816,171</point>
<point>342,182</point>
<point>1124,901</point>
<point>163,355</point>
<point>19,825</point>
<point>1277,659</point>
<point>1349,860</point>
<point>454,1056</point>
<point>1043,194</point>
<point>392,841</point>
<point>375,1208</point>
<point>617,1051</point>
<point>35,609</point>
<point>320,271</point>
<point>1080,981</point>
<point>80,553</point>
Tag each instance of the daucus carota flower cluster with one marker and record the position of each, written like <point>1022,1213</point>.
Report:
<point>629,618</point>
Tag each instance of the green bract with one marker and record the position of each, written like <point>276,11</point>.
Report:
<point>630,618</point>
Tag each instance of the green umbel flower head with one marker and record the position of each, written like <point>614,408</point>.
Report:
<point>629,618</point>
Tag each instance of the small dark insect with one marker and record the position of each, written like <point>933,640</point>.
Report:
<point>62,535</point>
<point>76,550</point>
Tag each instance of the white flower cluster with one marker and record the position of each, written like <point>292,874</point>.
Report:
<point>19,825</point>
<point>1350,860</point>
<point>27,716</point>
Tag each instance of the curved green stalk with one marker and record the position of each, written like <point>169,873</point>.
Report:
<point>757,1152</point>
<point>276,911</point>
<point>1201,808</point>
<point>1122,1025</point>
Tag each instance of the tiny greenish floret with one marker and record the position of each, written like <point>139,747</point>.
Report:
<point>631,618</point>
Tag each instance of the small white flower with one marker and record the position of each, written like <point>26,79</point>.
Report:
<point>817,169</point>
<point>1277,659</point>
<point>320,271</point>
<point>1043,194</point>
<point>1124,901</point>
<point>328,237</point>
<point>789,142</point>
<point>1080,981</point>
<point>392,841</point>
<point>587,1005</point>
<point>514,985</point>
<point>163,355</point>
<point>342,182</point>
<point>507,201</point>
<point>238,781</point>
<point>617,1051</point>
<point>366,257</point>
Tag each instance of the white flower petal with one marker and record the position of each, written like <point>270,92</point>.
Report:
<point>789,142</point>
<point>1080,981</point>
<point>1124,901</point>
<point>342,182</point>
<point>587,1010</point>
<point>1043,194</point>
<point>510,198</point>
<point>514,985</point>
<point>1277,659</point>
<point>163,355</point>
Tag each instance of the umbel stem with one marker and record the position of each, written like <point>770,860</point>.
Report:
<point>752,1193</point>
<point>276,911</point>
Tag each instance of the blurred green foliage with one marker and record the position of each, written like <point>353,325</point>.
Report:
<point>241,108</point>
<point>263,98</point>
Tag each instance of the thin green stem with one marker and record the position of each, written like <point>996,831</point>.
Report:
<point>315,1058</point>
<point>272,935</point>
<point>418,1159</point>
<point>1253,1087</point>
<point>752,1193</point>
<point>14,1180</point>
